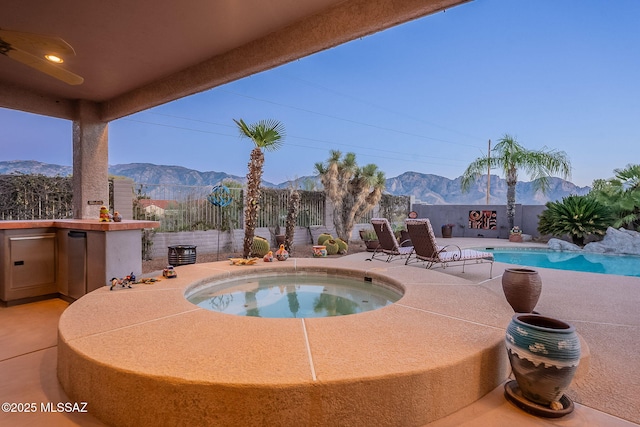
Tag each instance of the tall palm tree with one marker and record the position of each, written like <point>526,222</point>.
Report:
<point>353,191</point>
<point>510,156</point>
<point>267,135</point>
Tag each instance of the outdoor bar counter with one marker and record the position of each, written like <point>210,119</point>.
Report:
<point>66,257</point>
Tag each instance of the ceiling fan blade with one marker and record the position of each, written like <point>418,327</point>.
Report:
<point>36,43</point>
<point>44,66</point>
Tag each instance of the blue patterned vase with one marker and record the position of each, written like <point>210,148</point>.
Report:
<point>544,354</point>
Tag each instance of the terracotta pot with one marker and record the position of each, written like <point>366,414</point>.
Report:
<point>447,231</point>
<point>522,288</point>
<point>544,354</point>
<point>515,238</point>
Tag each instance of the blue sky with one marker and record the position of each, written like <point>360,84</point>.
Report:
<point>425,96</point>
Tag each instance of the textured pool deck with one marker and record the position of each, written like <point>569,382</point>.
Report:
<point>603,309</point>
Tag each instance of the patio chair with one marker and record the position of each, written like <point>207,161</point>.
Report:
<point>388,244</point>
<point>426,249</point>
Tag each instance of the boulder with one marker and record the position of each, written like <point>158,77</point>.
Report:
<point>562,245</point>
<point>620,241</point>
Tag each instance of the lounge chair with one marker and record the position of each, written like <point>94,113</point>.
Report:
<point>425,248</point>
<point>388,245</point>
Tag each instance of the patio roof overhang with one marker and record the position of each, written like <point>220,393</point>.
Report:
<point>137,55</point>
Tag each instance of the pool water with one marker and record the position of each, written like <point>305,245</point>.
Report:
<point>301,296</point>
<point>623,265</point>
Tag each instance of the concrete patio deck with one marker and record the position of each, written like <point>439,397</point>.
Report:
<point>603,309</point>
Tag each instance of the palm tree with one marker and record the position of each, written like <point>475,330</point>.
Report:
<point>352,190</point>
<point>510,156</point>
<point>622,195</point>
<point>267,135</point>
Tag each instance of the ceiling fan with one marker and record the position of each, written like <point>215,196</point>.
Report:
<point>44,53</point>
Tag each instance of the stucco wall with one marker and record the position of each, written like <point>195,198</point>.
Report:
<point>212,241</point>
<point>526,217</point>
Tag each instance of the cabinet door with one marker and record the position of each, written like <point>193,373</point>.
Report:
<point>32,260</point>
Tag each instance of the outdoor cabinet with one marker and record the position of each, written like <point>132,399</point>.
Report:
<point>66,258</point>
<point>30,264</point>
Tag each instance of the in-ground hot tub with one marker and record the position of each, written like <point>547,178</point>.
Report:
<point>147,356</point>
<point>299,295</point>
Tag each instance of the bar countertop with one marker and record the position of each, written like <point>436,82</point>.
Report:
<point>79,224</point>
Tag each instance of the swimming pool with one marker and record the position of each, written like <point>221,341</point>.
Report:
<point>623,265</point>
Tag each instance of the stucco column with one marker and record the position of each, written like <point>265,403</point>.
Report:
<point>90,162</point>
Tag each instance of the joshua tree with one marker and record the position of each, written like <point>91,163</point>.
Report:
<point>352,190</point>
<point>267,135</point>
<point>510,156</point>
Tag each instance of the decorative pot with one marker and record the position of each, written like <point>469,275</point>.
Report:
<point>280,238</point>
<point>544,354</point>
<point>282,254</point>
<point>521,287</point>
<point>319,251</point>
<point>447,230</point>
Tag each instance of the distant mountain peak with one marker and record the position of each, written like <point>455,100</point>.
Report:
<point>34,167</point>
<point>427,188</point>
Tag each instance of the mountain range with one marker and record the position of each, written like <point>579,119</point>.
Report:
<point>426,188</point>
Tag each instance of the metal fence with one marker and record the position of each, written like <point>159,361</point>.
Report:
<point>188,208</point>
<point>274,205</point>
<point>176,207</point>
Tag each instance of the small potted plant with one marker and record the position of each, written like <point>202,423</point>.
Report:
<point>515,234</point>
<point>370,239</point>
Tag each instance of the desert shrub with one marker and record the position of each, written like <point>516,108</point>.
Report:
<point>576,216</point>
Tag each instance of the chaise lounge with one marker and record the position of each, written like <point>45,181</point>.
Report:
<point>425,248</point>
<point>388,244</point>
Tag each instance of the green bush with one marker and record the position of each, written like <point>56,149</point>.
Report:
<point>577,216</point>
<point>323,238</point>
<point>260,246</point>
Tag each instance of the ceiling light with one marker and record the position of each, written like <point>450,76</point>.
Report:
<point>54,58</point>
